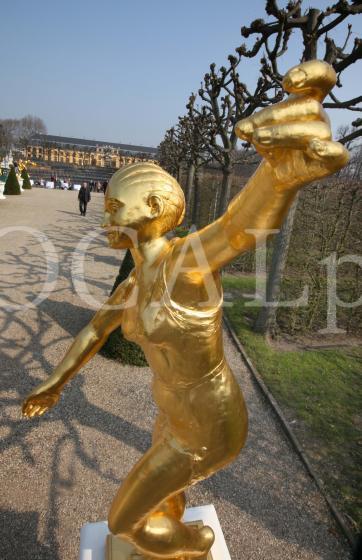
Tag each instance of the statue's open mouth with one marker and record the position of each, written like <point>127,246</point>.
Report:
<point>114,231</point>
<point>117,236</point>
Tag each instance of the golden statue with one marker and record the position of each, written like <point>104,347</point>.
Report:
<point>171,306</point>
<point>23,164</point>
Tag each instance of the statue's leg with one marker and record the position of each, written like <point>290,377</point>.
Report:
<point>174,505</point>
<point>163,472</point>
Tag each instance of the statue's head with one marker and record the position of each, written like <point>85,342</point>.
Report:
<point>144,199</point>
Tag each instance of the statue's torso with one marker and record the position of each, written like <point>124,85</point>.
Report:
<point>193,385</point>
<point>182,339</point>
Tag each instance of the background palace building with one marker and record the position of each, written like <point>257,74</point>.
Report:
<point>81,159</point>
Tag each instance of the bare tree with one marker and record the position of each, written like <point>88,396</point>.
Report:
<point>18,132</point>
<point>28,126</point>
<point>226,101</point>
<point>195,131</point>
<point>172,151</point>
<point>8,127</point>
<point>348,137</point>
<point>5,140</point>
<point>315,26</point>
<point>183,145</point>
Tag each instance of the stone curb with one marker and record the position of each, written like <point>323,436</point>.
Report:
<point>291,436</point>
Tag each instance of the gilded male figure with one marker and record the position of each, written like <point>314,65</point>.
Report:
<point>174,313</point>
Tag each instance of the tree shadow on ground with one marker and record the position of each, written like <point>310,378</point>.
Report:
<point>18,537</point>
<point>75,213</point>
<point>71,318</point>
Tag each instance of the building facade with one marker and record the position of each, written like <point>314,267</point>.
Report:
<point>85,153</point>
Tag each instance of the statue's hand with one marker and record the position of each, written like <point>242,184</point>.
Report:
<point>39,401</point>
<point>294,136</point>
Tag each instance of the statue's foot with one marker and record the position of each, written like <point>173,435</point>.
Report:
<point>194,544</point>
<point>200,544</point>
<point>207,537</point>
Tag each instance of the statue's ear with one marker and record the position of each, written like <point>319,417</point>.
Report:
<point>156,204</point>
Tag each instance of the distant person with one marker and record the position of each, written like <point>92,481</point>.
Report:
<point>83,197</point>
<point>104,186</point>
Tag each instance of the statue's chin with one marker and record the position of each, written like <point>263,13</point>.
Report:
<point>119,242</point>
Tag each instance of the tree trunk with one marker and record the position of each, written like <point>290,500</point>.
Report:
<point>178,173</point>
<point>225,191</point>
<point>189,191</point>
<point>266,319</point>
<point>310,38</point>
<point>195,217</point>
<point>214,205</point>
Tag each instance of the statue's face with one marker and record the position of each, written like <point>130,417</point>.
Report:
<point>126,211</point>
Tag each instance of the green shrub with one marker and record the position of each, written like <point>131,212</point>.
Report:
<point>26,180</point>
<point>12,184</point>
<point>122,350</point>
<point>127,265</point>
<point>117,347</point>
<point>181,231</point>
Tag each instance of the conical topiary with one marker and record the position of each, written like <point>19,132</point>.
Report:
<point>26,180</point>
<point>12,184</point>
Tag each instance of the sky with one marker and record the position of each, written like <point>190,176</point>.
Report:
<point>122,70</point>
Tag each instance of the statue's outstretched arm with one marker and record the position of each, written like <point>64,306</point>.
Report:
<point>294,138</point>
<point>86,344</point>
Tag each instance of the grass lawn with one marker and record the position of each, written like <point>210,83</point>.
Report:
<point>320,392</point>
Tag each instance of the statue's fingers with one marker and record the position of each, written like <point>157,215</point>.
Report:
<point>315,78</point>
<point>301,109</point>
<point>332,154</point>
<point>43,410</point>
<point>34,411</point>
<point>24,408</point>
<point>27,408</point>
<point>295,136</point>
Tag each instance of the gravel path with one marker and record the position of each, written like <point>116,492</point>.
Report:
<point>61,471</point>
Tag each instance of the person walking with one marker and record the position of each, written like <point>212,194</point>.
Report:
<point>83,197</point>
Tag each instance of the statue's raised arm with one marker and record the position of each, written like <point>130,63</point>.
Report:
<point>294,138</point>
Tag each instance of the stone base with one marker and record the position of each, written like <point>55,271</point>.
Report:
<point>96,543</point>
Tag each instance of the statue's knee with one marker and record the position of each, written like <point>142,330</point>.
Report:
<point>112,524</point>
<point>174,507</point>
<point>118,524</point>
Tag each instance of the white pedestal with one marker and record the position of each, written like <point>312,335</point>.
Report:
<point>93,535</point>
<point>20,181</point>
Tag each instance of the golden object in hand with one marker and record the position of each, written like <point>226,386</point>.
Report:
<point>171,306</point>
